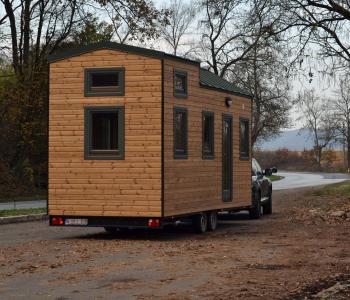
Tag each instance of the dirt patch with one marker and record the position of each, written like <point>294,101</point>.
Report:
<point>333,287</point>
<point>292,254</point>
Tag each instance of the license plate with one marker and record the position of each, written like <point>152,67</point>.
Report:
<point>77,222</point>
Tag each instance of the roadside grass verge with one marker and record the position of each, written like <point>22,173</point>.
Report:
<point>336,189</point>
<point>275,177</point>
<point>21,212</point>
<point>333,198</point>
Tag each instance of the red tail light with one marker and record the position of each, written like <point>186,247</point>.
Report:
<point>153,223</point>
<point>57,221</point>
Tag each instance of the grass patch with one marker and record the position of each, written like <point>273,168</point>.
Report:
<point>21,212</point>
<point>336,189</point>
<point>275,177</point>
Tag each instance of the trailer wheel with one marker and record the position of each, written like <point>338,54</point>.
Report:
<point>255,210</point>
<point>200,223</point>
<point>212,220</point>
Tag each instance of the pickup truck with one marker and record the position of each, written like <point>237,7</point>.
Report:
<point>261,190</point>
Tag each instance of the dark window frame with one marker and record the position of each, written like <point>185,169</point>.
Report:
<point>88,153</point>
<point>205,154</point>
<point>178,93</point>
<point>87,82</point>
<point>242,154</point>
<point>179,153</point>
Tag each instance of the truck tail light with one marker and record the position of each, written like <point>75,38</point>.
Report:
<point>57,221</point>
<point>153,223</point>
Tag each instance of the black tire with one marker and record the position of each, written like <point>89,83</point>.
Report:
<point>267,207</point>
<point>255,210</point>
<point>212,220</point>
<point>200,223</point>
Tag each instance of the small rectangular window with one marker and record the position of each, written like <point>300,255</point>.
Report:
<point>104,82</point>
<point>244,138</point>
<point>104,133</point>
<point>208,135</point>
<point>180,133</point>
<point>180,83</point>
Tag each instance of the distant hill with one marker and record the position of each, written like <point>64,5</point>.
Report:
<point>295,140</point>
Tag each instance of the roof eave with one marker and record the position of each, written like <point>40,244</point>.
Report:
<point>248,96</point>
<point>64,54</point>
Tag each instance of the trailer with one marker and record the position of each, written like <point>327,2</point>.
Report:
<point>141,138</point>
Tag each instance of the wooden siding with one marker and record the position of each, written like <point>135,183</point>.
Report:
<point>194,184</point>
<point>129,187</point>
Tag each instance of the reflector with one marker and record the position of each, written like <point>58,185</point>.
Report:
<point>57,221</point>
<point>153,223</point>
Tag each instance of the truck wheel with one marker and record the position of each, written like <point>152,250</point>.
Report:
<point>267,207</point>
<point>255,210</point>
<point>200,223</point>
<point>212,220</point>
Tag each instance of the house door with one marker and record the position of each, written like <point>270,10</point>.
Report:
<point>226,158</point>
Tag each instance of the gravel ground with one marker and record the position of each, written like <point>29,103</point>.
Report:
<point>289,255</point>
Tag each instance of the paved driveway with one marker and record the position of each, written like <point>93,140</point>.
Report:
<point>294,180</point>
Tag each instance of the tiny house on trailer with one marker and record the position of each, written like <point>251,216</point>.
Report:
<point>141,138</point>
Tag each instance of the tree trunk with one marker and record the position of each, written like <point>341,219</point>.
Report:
<point>26,33</point>
<point>348,154</point>
<point>12,20</point>
<point>318,153</point>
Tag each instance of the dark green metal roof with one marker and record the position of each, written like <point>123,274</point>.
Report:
<point>74,51</point>
<point>211,80</point>
<point>207,78</point>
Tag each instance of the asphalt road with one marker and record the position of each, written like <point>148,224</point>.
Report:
<point>23,204</point>
<point>294,180</point>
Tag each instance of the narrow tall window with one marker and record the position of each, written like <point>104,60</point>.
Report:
<point>104,82</point>
<point>180,133</point>
<point>180,83</point>
<point>208,135</point>
<point>104,133</point>
<point>244,138</point>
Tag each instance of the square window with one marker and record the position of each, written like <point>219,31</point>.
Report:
<point>180,83</point>
<point>104,82</point>
<point>208,135</point>
<point>244,138</point>
<point>104,133</point>
<point>180,133</point>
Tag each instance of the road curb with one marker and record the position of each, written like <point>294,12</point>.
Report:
<point>24,218</point>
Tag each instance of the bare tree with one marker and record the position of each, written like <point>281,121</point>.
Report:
<point>134,19</point>
<point>319,121</point>
<point>341,107</point>
<point>181,17</point>
<point>264,73</point>
<point>228,36</point>
<point>325,23</point>
<point>37,28</point>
